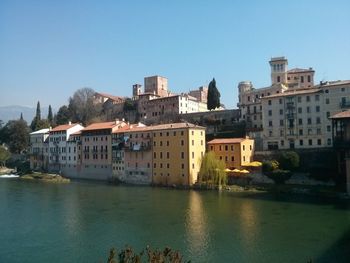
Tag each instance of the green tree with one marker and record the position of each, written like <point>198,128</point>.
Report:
<point>289,160</point>
<point>82,106</point>
<point>49,115</point>
<point>213,99</point>
<point>63,115</point>
<point>212,170</point>
<point>4,155</point>
<point>272,170</point>
<point>36,120</point>
<point>16,135</point>
<point>21,117</point>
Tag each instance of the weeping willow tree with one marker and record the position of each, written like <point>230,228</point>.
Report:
<point>212,171</point>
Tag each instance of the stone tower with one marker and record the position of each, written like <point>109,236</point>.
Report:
<point>279,67</point>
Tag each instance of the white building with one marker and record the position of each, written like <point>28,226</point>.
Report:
<point>58,144</point>
<point>38,150</point>
<point>299,118</point>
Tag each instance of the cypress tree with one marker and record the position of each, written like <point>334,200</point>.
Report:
<point>50,116</point>
<point>213,99</point>
<point>21,118</point>
<point>38,111</point>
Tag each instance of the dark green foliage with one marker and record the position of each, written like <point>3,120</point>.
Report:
<point>269,166</point>
<point>129,105</point>
<point>21,117</point>
<point>82,107</point>
<point>279,176</point>
<point>289,161</point>
<point>213,99</point>
<point>37,122</point>
<point>63,115</point>
<point>4,155</point>
<point>16,135</point>
<point>127,255</point>
<point>38,111</point>
<point>22,166</point>
<point>271,170</point>
<point>49,115</point>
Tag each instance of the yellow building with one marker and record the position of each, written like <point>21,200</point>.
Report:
<point>235,152</point>
<point>167,154</point>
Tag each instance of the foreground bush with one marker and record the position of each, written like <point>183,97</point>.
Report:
<point>279,176</point>
<point>149,255</point>
<point>288,160</point>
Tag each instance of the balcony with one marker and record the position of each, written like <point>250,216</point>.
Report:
<point>345,104</point>
<point>138,148</point>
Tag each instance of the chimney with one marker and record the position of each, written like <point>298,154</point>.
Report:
<point>69,123</point>
<point>116,121</point>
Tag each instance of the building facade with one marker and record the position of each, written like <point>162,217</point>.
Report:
<point>299,119</point>
<point>235,152</point>
<point>38,149</point>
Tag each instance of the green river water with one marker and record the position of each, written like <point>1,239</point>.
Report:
<point>81,221</point>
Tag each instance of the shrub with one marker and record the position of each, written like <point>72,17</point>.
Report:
<point>289,161</point>
<point>279,176</point>
<point>269,166</point>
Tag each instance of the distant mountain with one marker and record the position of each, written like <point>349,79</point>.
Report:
<point>14,112</point>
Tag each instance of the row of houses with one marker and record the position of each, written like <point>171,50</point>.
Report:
<point>166,154</point>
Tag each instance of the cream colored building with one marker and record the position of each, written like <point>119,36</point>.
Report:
<point>299,118</point>
<point>235,152</point>
<point>282,79</point>
<point>58,145</point>
<point>38,150</point>
<point>157,85</point>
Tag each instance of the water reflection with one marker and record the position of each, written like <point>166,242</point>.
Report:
<point>197,229</point>
<point>248,220</point>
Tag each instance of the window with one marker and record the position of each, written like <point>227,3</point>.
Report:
<point>309,121</point>
<point>167,155</point>
<point>318,120</point>
<point>301,142</point>
<point>192,155</point>
<point>182,155</point>
<point>281,112</point>
<point>309,131</point>
<point>281,133</point>
<point>282,142</point>
<point>232,158</point>
<point>278,79</point>
<point>280,100</point>
<point>308,109</point>
<point>270,123</point>
<point>318,131</point>
<point>307,98</point>
<point>300,121</point>
<point>327,100</point>
<point>182,142</point>
<point>317,108</point>
<point>192,142</point>
<point>301,132</point>
<point>328,128</point>
<point>211,147</point>
<point>270,112</point>
<point>300,110</point>
<point>328,114</point>
<point>317,97</point>
<point>281,122</point>
<point>308,78</point>
<point>302,79</point>
<point>310,141</point>
<point>154,155</point>
<point>342,89</point>
<point>269,102</point>
<point>299,99</point>
<point>243,147</point>
<point>226,147</point>
<point>329,141</point>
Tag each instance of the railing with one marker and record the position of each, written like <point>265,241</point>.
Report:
<point>345,104</point>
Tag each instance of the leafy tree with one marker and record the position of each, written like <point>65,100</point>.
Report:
<point>49,115</point>
<point>271,170</point>
<point>63,115</point>
<point>16,135</point>
<point>289,160</point>
<point>212,170</point>
<point>82,106</point>
<point>129,105</point>
<point>4,155</point>
<point>213,99</point>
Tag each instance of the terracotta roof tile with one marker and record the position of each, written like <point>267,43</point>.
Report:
<point>101,126</point>
<point>342,115</point>
<point>180,125</point>
<point>63,127</point>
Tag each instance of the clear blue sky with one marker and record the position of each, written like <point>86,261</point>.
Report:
<point>49,49</point>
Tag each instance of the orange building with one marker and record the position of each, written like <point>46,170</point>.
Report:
<point>235,152</point>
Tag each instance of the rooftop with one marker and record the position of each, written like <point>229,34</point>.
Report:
<point>227,140</point>
<point>180,125</point>
<point>341,115</point>
<point>42,131</point>
<point>110,96</point>
<point>293,93</point>
<point>298,70</point>
<point>63,127</point>
<point>102,125</point>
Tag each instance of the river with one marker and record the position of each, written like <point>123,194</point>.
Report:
<point>81,221</point>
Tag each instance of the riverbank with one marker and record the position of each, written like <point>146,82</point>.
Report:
<point>5,170</point>
<point>45,177</point>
